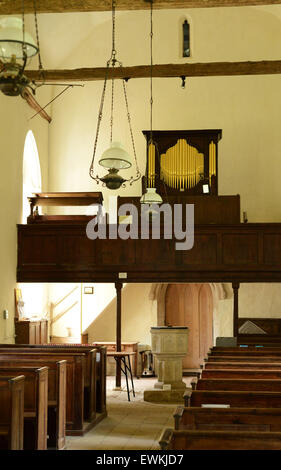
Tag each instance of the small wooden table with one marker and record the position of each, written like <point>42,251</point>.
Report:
<point>124,356</point>
<point>126,347</point>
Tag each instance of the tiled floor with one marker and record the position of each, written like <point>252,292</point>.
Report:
<point>129,425</point>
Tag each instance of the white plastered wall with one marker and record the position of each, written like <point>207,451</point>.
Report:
<point>247,109</point>
<point>14,125</point>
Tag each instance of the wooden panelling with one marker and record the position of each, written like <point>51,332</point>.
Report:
<point>151,252</point>
<point>207,209</point>
<point>272,245</point>
<point>240,249</point>
<point>38,250</point>
<point>117,252</point>
<point>77,250</point>
<point>204,251</point>
<point>221,253</point>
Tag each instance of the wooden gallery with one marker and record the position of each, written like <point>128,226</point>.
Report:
<point>140,241</point>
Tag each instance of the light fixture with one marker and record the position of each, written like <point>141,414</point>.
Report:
<point>14,41</point>
<point>151,196</point>
<point>114,158</point>
<point>16,47</point>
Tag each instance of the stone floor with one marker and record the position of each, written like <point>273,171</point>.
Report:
<point>130,425</point>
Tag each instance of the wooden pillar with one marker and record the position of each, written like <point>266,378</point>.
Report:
<point>118,287</point>
<point>235,287</point>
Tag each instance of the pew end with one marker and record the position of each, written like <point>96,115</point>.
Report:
<point>165,438</point>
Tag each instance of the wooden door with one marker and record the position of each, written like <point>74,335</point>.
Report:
<point>191,305</point>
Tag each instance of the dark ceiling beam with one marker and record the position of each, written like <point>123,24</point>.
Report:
<point>8,7</point>
<point>211,69</point>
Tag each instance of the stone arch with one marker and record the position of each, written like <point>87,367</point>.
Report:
<point>195,305</point>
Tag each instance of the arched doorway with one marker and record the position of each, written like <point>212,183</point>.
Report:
<point>191,305</point>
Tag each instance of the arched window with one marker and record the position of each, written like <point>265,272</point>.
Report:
<point>186,39</point>
<point>34,295</point>
<point>32,182</point>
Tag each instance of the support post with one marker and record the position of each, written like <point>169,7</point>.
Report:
<point>118,287</point>
<point>235,287</point>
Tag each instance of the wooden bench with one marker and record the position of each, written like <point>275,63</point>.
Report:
<point>241,374</point>
<point>244,358</point>
<point>231,419</point>
<point>94,387</point>
<point>243,365</point>
<point>261,340</point>
<point>268,385</point>
<point>11,413</point>
<point>219,440</point>
<point>251,351</point>
<point>75,366</point>
<point>35,405</point>
<point>240,399</point>
<point>56,395</point>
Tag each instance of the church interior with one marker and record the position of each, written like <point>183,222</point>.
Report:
<point>192,91</point>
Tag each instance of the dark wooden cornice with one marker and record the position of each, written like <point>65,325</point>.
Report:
<point>8,7</point>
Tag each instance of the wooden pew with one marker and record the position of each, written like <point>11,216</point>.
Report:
<point>56,399</point>
<point>244,358</point>
<point>35,405</point>
<point>219,440</point>
<point>262,340</point>
<point>11,413</point>
<point>239,399</point>
<point>94,388</point>
<point>267,385</point>
<point>75,365</point>
<point>99,384</point>
<point>243,365</point>
<point>240,374</point>
<point>251,351</point>
<point>231,419</point>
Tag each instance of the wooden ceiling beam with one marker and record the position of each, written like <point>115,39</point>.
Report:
<point>211,69</point>
<point>63,6</point>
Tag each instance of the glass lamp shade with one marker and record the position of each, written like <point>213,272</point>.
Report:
<point>11,39</point>
<point>116,157</point>
<point>151,197</point>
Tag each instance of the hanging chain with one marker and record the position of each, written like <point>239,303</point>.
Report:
<point>41,70</point>
<point>151,142</point>
<point>98,124</point>
<point>113,61</point>
<point>113,50</point>
<point>151,66</point>
<point>24,54</point>
<point>131,132</point>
